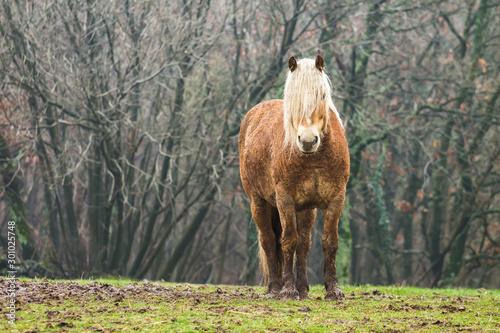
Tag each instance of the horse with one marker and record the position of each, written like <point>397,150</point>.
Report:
<point>294,159</point>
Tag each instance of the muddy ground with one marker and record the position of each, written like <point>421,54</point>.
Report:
<point>44,305</point>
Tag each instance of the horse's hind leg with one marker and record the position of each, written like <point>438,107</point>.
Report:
<point>305,222</point>
<point>330,242</point>
<point>262,213</point>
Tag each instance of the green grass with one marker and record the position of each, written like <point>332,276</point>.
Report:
<point>167,307</point>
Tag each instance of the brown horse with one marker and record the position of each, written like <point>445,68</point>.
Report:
<point>293,160</point>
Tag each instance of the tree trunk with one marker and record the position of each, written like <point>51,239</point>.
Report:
<point>250,271</point>
<point>173,260</point>
<point>13,187</point>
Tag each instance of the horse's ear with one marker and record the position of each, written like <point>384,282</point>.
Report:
<point>320,63</point>
<point>292,63</point>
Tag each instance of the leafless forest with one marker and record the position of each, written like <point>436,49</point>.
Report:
<point>119,123</point>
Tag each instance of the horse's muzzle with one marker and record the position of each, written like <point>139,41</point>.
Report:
<point>308,146</point>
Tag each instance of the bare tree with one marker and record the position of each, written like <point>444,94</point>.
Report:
<point>119,122</point>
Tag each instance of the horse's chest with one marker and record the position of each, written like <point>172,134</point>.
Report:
<point>311,190</point>
<point>312,181</point>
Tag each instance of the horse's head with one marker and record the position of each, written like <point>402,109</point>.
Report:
<point>312,127</point>
<point>307,102</point>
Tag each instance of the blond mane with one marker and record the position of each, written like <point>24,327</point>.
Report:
<point>304,89</point>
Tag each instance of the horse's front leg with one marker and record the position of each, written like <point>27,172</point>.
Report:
<point>330,242</point>
<point>289,237</point>
<point>305,222</point>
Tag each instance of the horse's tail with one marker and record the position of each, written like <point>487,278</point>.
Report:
<point>276,225</point>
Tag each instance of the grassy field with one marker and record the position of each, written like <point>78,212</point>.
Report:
<point>124,305</point>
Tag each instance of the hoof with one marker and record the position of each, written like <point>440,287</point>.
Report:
<point>335,295</point>
<point>289,294</point>
<point>304,296</point>
<point>273,294</point>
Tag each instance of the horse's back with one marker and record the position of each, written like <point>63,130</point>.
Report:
<point>260,118</point>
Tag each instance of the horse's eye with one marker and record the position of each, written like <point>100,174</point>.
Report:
<point>324,96</point>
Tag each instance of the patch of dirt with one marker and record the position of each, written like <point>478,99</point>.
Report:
<point>409,307</point>
<point>451,308</point>
<point>304,309</point>
<point>217,309</point>
<point>34,330</point>
<point>369,295</point>
<point>340,322</point>
<point>52,314</point>
<point>55,294</point>
<point>439,323</point>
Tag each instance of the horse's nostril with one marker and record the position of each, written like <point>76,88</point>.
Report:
<point>315,140</point>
